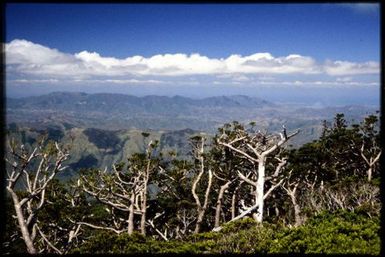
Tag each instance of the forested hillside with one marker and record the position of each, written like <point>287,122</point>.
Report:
<point>242,190</point>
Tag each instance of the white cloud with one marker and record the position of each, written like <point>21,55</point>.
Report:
<point>27,61</point>
<point>25,52</point>
<point>340,68</point>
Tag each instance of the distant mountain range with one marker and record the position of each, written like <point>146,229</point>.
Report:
<point>119,103</point>
<point>106,128</point>
<point>117,111</point>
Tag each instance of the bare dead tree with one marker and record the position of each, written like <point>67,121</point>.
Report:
<point>150,222</point>
<point>224,187</point>
<point>347,197</point>
<point>256,151</point>
<point>234,199</point>
<point>290,186</point>
<point>366,194</point>
<point>150,167</point>
<point>371,161</point>
<point>117,191</point>
<point>186,219</point>
<point>126,192</point>
<point>198,151</point>
<point>33,183</point>
<point>250,209</point>
<point>219,203</point>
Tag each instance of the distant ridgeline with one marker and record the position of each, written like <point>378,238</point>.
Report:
<point>107,128</point>
<point>92,147</point>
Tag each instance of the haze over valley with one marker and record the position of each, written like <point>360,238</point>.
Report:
<point>106,128</point>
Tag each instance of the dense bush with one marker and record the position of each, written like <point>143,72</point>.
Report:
<point>108,242</point>
<point>341,232</point>
<point>256,239</point>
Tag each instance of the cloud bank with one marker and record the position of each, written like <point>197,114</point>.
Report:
<point>30,62</point>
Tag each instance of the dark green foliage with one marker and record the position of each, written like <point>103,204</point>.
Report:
<point>256,239</point>
<point>342,232</point>
<point>242,224</point>
<point>339,233</point>
<point>107,242</point>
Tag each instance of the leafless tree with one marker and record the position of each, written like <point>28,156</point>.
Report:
<point>256,149</point>
<point>29,175</point>
<point>126,192</point>
<point>371,161</point>
<point>223,188</point>
<point>198,151</point>
<point>118,192</point>
<point>290,186</point>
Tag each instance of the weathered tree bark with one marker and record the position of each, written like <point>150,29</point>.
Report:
<point>144,199</point>
<point>22,224</point>
<point>219,203</point>
<point>186,219</point>
<point>130,228</point>
<point>143,216</point>
<point>260,187</point>
<point>201,209</point>
<point>297,212</point>
<point>234,200</point>
<point>233,203</point>
<point>292,191</point>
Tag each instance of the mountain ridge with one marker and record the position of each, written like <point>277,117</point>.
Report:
<point>58,99</point>
<point>111,111</point>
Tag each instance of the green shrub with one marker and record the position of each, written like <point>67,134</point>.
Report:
<point>340,233</point>
<point>238,225</point>
<point>247,236</point>
<point>109,242</point>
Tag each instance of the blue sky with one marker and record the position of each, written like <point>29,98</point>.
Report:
<point>179,49</point>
